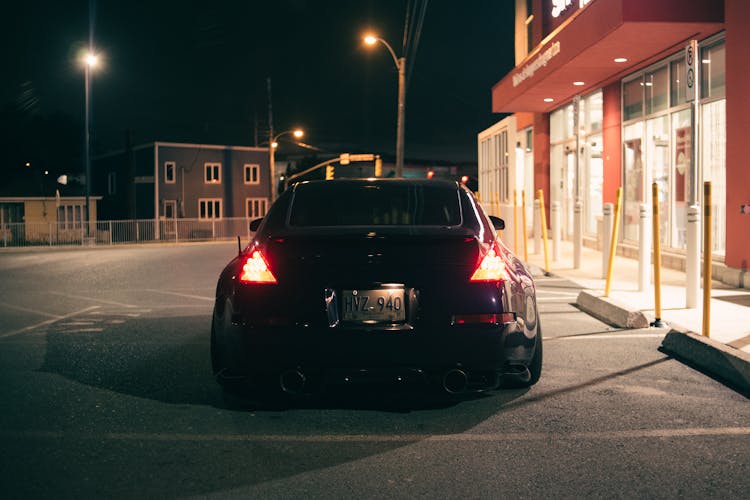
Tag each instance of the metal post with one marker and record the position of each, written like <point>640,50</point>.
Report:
<point>577,233</point>
<point>515,221</point>
<point>606,236</point>
<point>658,323</point>
<point>87,139</point>
<point>537,228</point>
<point>543,222</point>
<point>613,243</point>
<point>644,248</point>
<point>401,63</point>
<point>693,257</point>
<point>708,247</point>
<point>523,231</point>
<point>554,216</point>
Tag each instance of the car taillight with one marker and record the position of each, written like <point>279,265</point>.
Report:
<point>491,267</point>
<point>255,270</point>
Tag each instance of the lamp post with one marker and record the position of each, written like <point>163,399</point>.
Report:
<point>89,61</point>
<point>298,133</point>
<point>400,63</point>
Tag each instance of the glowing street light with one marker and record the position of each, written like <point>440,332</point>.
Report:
<point>400,63</point>
<point>297,133</point>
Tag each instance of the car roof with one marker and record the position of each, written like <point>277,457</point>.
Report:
<point>380,180</point>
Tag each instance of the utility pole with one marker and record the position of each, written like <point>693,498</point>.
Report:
<point>271,160</point>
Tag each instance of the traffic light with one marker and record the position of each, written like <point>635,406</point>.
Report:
<point>430,174</point>
<point>378,167</point>
<point>329,172</point>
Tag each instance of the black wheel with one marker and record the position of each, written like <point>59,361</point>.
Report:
<point>218,363</point>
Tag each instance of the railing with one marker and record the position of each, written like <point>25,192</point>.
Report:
<point>122,232</point>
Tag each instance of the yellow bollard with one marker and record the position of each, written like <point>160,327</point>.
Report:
<point>515,222</point>
<point>544,230</point>
<point>523,220</point>
<point>657,256</point>
<point>613,243</point>
<point>708,248</point>
<point>497,203</point>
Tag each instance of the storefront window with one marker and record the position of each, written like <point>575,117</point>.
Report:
<point>656,89</point>
<point>632,99</point>
<point>713,132</point>
<point>678,86</point>
<point>713,71</point>
<point>681,161</point>
<point>657,159</point>
<point>633,184</point>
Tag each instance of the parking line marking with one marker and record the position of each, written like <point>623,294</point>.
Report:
<point>47,322</point>
<point>211,299</point>
<point>406,438</point>
<point>110,302</point>
<point>605,336</point>
<point>40,313</point>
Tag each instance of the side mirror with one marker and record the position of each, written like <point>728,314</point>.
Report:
<point>255,224</point>
<point>497,223</point>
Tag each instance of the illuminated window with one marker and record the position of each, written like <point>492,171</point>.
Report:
<point>209,208</point>
<point>170,175</point>
<point>252,174</point>
<point>213,173</point>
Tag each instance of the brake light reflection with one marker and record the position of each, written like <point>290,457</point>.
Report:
<point>491,268</point>
<point>255,270</point>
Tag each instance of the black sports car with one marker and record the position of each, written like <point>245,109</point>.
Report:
<point>377,280</point>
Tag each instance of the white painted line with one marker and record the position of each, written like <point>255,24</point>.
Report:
<point>33,311</point>
<point>606,336</point>
<point>45,323</point>
<point>110,302</point>
<point>211,299</point>
<point>383,438</point>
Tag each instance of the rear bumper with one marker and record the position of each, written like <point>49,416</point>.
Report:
<point>269,350</point>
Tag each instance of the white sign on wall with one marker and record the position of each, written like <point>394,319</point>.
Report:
<point>691,54</point>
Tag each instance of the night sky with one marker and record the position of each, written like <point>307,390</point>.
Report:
<point>197,71</point>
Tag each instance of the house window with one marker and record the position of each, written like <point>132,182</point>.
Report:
<point>170,175</point>
<point>170,209</point>
<point>112,183</point>
<point>70,216</point>
<point>213,173</point>
<point>209,208</point>
<point>256,207</point>
<point>252,174</point>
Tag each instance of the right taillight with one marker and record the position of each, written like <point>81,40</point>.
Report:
<point>491,267</point>
<point>255,269</point>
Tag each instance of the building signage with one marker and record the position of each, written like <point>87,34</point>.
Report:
<point>539,61</point>
<point>556,12</point>
<point>691,53</point>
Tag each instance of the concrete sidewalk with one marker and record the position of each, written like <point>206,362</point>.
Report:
<point>725,355</point>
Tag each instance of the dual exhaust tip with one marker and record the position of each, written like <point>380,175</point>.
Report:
<point>454,381</point>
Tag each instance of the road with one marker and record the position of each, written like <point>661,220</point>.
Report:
<point>106,392</point>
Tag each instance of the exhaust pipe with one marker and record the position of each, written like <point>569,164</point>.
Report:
<point>455,381</point>
<point>292,381</point>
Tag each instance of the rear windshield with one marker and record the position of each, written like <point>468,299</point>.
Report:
<point>385,204</point>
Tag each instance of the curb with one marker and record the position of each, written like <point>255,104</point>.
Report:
<point>725,363</point>
<point>610,311</point>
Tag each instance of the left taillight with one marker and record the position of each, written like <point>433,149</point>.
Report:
<point>491,267</point>
<point>255,269</point>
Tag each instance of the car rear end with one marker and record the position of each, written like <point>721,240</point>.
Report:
<point>368,280</point>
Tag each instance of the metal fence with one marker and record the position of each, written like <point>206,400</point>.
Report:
<point>122,232</point>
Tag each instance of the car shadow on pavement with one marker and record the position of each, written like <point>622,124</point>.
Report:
<point>169,361</point>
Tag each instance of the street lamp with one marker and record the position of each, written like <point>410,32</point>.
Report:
<point>400,63</point>
<point>89,62</point>
<point>298,133</point>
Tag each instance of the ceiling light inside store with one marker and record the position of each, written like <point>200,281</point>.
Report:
<point>578,84</point>
<point>548,99</point>
<point>621,59</point>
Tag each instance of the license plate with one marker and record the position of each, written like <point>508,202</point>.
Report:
<point>385,305</point>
